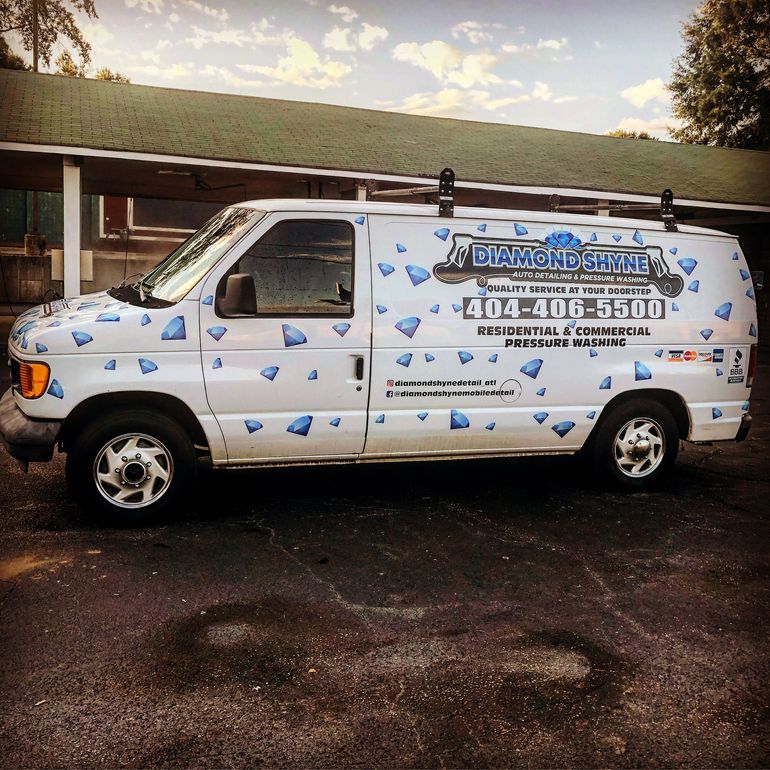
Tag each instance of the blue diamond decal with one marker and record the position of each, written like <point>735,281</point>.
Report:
<point>146,320</point>
<point>217,332</point>
<point>659,352</point>
<point>457,308</point>
<point>379,419</point>
<point>752,330</point>
<point>341,329</point>
<point>694,286</point>
<point>359,220</point>
<point>490,426</point>
<point>541,417</point>
<point>482,228</point>
<point>147,366</point>
<point>300,426</point>
<point>270,372</point>
<point>442,232</point>
<point>606,383</point>
<point>637,236</point>
<point>422,415</point>
<point>381,309</point>
<point>719,372</point>
<point>562,239</point>
<point>750,292</point>
<point>540,392</point>
<point>209,300</point>
<point>745,275</point>
<point>593,237</point>
<point>216,363</point>
<point>81,338</point>
<point>641,372</point>
<point>723,311</point>
<point>408,325</point>
<point>735,256</point>
<point>86,305</point>
<point>616,238</point>
<point>593,353</point>
<point>108,317</point>
<point>429,358</point>
<point>174,329</point>
<point>434,309</point>
<point>417,274</point>
<point>335,422</point>
<point>55,389</point>
<point>41,348</point>
<point>482,292</point>
<point>532,368</point>
<point>591,415</point>
<point>520,229</point>
<point>313,374</point>
<point>26,327</point>
<point>292,336</point>
<point>716,413</point>
<point>688,264</point>
<point>675,307</point>
<point>464,356</point>
<point>385,268</point>
<point>571,324</point>
<point>458,420</point>
<point>493,358</point>
<point>673,251</point>
<point>55,323</point>
<point>252,426</point>
<point>111,365</point>
<point>561,429</point>
<point>404,360</point>
<point>706,333</point>
<point>400,248</point>
<point>24,343</point>
<point>745,406</point>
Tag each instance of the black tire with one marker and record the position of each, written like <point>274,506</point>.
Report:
<point>158,440</point>
<point>613,465</point>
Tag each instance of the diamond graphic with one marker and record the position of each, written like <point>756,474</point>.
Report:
<point>745,406</point>
<point>55,323</point>
<point>532,368</point>
<point>41,348</point>
<point>723,311</point>
<point>541,417</point>
<point>313,374</point>
<point>300,426</point>
<point>108,317</point>
<point>442,232</point>
<point>457,308</point>
<point>147,366</point>
<point>482,292</point>
<point>493,358</point>
<point>745,275</point>
<point>24,343</point>
<point>464,356</point>
<point>659,352</point>
<point>380,419</point>
<point>381,309</point>
<point>385,268</point>
<point>735,256</point>
<point>593,237</point>
<point>593,353</point>
<point>591,415</point>
<point>606,383</point>
<point>616,238</point>
<point>408,325</point>
<point>422,415</point>
<point>111,365</point>
<point>341,329</point>
<point>55,389</point>
<point>429,358</point>
<point>458,420</point>
<point>694,286</point>
<point>26,327</point>
<point>688,264</point>
<point>174,329</point>
<point>208,300</point>
<point>86,305</point>
<point>520,229</point>
<point>482,228</point>
<point>637,236</point>
<point>146,320</point>
<point>719,372</point>
<point>750,293</point>
<point>561,429</point>
<point>217,332</point>
<point>417,274</point>
<point>270,372</point>
<point>706,333</point>
<point>359,220</point>
<point>641,372</point>
<point>490,426</point>
<point>674,307</point>
<point>562,239</point>
<point>292,336</point>
<point>715,413</point>
<point>252,426</point>
<point>673,251</point>
<point>400,248</point>
<point>540,392</point>
<point>571,324</point>
<point>434,309</point>
<point>405,359</point>
<point>81,338</point>
<point>335,422</point>
<point>752,330</point>
<point>217,363</point>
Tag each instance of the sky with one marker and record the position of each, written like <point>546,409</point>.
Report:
<point>589,66</point>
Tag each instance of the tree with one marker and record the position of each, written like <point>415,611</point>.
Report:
<point>622,133</point>
<point>54,20</point>
<point>66,65</point>
<point>721,82</point>
<point>107,74</point>
<point>9,60</point>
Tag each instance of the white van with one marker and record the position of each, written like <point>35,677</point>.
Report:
<point>291,331</point>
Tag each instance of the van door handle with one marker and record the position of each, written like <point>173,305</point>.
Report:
<point>359,367</point>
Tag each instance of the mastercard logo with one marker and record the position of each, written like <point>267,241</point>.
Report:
<point>690,355</point>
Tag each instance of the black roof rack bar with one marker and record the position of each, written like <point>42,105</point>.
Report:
<point>397,193</point>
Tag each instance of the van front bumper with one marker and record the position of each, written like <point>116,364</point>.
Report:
<point>26,439</point>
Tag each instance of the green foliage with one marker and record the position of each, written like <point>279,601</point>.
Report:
<point>66,65</point>
<point>721,82</point>
<point>107,74</point>
<point>9,60</point>
<point>621,133</point>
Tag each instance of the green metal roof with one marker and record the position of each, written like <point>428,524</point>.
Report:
<point>72,112</point>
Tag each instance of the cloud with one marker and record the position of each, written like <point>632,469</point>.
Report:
<point>228,76</point>
<point>339,39</point>
<point>655,127</point>
<point>150,55</point>
<point>554,45</point>
<point>541,45</point>
<point>171,72</point>
<point>217,13</point>
<point>598,44</point>
<point>346,39</point>
<point>146,6</point>
<point>162,44</point>
<point>204,37</point>
<point>348,14</point>
<point>371,36</point>
<point>302,66</point>
<point>455,103</point>
<point>652,89</point>
<point>475,31</point>
<point>97,34</point>
<point>448,64</point>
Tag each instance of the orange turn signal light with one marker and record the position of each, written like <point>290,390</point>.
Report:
<point>33,378</point>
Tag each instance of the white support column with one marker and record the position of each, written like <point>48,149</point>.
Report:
<point>604,208</point>
<point>71,227</point>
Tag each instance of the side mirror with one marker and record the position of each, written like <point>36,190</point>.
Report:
<point>240,296</point>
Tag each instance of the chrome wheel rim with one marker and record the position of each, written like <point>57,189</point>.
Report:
<point>133,470</point>
<point>639,447</point>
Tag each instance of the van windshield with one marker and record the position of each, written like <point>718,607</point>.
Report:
<point>173,278</point>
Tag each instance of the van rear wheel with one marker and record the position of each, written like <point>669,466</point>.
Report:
<point>131,467</point>
<point>637,443</point>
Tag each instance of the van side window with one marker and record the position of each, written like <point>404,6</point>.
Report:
<point>302,267</point>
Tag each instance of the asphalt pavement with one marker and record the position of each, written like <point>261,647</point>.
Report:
<point>444,614</point>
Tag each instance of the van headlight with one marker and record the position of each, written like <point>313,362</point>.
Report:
<point>32,378</point>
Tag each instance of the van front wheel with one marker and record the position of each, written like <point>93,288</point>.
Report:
<point>131,466</point>
<point>637,444</point>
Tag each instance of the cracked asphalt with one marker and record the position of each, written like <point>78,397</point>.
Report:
<point>466,614</point>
